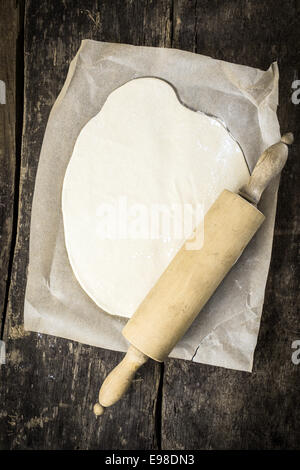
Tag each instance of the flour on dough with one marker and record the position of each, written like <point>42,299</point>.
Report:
<point>143,148</point>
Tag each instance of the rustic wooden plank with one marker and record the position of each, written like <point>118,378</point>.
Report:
<point>49,384</point>
<point>8,40</point>
<point>207,407</point>
<point>44,406</point>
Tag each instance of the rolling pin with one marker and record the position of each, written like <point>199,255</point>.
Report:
<point>193,275</point>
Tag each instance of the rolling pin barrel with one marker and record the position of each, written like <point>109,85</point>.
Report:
<point>193,275</point>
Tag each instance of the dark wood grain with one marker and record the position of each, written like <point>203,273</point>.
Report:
<point>8,40</point>
<point>225,409</point>
<point>49,385</point>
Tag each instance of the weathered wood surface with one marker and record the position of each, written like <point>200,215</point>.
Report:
<point>223,408</point>
<point>49,384</point>
<point>8,41</point>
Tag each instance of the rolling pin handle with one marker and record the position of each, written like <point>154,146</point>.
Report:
<point>119,379</point>
<point>98,409</point>
<point>269,164</point>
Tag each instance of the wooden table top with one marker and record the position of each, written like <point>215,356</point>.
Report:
<point>49,385</point>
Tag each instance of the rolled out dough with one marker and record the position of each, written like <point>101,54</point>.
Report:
<point>143,149</point>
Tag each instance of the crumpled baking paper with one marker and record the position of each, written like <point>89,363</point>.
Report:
<point>225,332</point>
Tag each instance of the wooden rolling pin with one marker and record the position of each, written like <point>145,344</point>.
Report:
<point>193,275</point>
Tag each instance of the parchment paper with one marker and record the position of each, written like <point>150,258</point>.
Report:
<point>225,333</point>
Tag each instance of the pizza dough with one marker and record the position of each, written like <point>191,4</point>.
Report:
<point>142,152</point>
